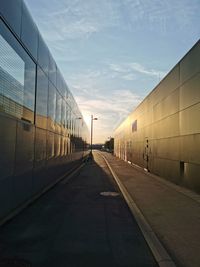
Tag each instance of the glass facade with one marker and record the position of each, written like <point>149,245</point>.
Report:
<point>51,107</point>
<point>12,13</point>
<point>17,78</point>
<point>37,111</point>
<point>29,33</point>
<point>41,99</point>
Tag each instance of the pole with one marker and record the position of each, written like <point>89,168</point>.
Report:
<point>91,131</point>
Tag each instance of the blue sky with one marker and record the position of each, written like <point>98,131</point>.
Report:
<point>112,53</point>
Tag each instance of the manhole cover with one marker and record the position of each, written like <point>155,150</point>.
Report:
<point>14,262</point>
<point>109,194</point>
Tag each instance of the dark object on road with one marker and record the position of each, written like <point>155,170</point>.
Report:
<point>88,158</point>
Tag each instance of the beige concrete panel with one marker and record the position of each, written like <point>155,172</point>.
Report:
<point>190,120</point>
<point>141,135</point>
<point>167,106</point>
<point>167,127</point>
<point>168,148</point>
<point>192,176</point>
<point>168,169</point>
<point>148,117</point>
<point>149,131</point>
<point>141,121</point>
<point>190,64</point>
<point>166,86</point>
<point>142,108</point>
<point>190,92</point>
<point>190,148</point>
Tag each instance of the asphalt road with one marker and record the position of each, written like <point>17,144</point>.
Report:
<point>75,225</point>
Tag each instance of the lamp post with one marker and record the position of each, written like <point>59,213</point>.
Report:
<point>92,119</point>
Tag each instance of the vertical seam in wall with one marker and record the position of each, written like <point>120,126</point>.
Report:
<point>47,129</point>
<point>14,169</point>
<point>35,94</point>
<point>179,117</point>
<point>20,34</point>
<point>34,138</point>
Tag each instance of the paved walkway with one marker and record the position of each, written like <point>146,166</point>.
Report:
<point>75,225</point>
<point>172,212</point>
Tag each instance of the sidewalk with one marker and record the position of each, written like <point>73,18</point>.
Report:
<point>172,212</point>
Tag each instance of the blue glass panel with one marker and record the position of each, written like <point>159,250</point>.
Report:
<point>29,32</point>
<point>17,77</point>
<point>41,99</point>
<point>52,70</point>
<point>11,10</point>
<point>51,107</point>
<point>43,55</point>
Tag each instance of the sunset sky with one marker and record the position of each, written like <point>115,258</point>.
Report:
<point>112,53</point>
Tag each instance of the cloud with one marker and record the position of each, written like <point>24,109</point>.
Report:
<point>110,110</point>
<point>80,19</point>
<point>159,15</point>
<point>110,106</point>
<point>66,25</point>
<point>129,77</point>
<point>118,68</point>
<point>152,72</point>
<point>76,19</point>
<point>134,67</point>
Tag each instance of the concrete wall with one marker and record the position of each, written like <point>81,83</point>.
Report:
<point>163,133</point>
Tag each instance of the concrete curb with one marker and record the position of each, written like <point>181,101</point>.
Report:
<point>161,255</point>
<point>16,211</point>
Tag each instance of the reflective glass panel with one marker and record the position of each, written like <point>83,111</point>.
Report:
<point>58,108</point>
<point>17,78</point>
<point>67,117</point>
<point>63,113</point>
<point>41,99</point>
<point>51,107</point>
<point>12,11</point>
<point>29,32</point>
<point>52,70</point>
<point>43,55</point>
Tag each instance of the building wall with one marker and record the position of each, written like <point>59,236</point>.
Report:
<point>41,133</point>
<point>163,133</point>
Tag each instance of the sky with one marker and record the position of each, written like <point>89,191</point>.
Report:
<point>112,53</point>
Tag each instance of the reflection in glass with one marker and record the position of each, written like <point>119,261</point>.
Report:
<point>51,107</point>
<point>29,32</point>
<point>43,55</point>
<point>52,70</point>
<point>41,99</point>
<point>58,108</point>
<point>17,78</point>
<point>63,113</point>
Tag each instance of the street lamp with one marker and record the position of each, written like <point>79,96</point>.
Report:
<point>92,119</point>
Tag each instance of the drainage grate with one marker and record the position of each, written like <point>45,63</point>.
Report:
<point>109,194</point>
<point>14,262</point>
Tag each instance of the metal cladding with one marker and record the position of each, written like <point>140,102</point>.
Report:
<point>42,132</point>
<point>162,134</point>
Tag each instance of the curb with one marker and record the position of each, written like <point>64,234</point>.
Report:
<point>159,252</point>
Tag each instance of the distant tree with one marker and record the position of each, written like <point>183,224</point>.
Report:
<point>109,144</point>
